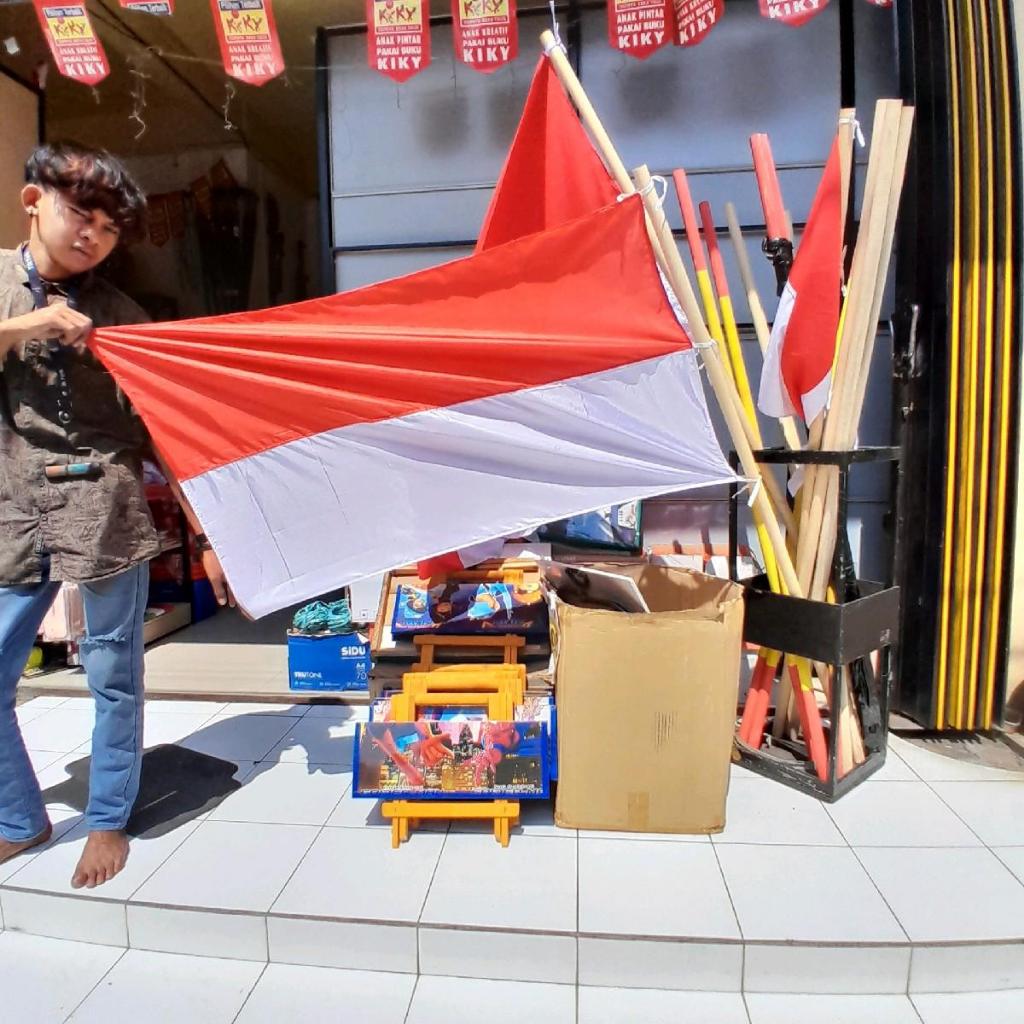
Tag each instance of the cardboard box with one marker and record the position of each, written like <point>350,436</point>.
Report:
<point>647,705</point>
<point>329,662</point>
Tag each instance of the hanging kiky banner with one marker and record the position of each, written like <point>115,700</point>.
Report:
<point>175,205</point>
<point>639,27</point>
<point>249,44</point>
<point>163,7</point>
<point>202,193</point>
<point>398,37</point>
<point>486,34</point>
<point>695,19</point>
<point>76,50</point>
<point>791,12</point>
<point>159,220</point>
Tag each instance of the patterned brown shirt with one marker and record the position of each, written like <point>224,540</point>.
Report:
<point>90,528</point>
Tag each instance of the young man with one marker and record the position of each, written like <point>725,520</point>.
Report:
<point>72,505</point>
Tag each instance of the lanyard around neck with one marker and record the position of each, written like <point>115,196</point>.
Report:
<point>38,287</point>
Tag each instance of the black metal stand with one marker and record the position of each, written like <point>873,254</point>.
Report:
<point>846,634</point>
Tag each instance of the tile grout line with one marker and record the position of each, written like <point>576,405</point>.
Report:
<point>881,896</point>
<point>967,824</point>
<point>252,989</point>
<point>266,913</point>
<point>736,917</point>
<point>412,995</point>
<point>99,981</point>
<point>746,1006</point>
<point>426,896</point>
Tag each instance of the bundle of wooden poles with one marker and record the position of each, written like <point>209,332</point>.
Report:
<point>797,544</point>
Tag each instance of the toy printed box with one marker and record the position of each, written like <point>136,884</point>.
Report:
<point>328,662</point>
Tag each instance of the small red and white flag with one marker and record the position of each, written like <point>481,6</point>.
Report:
<point>797,374</point>
<point>791,12</point>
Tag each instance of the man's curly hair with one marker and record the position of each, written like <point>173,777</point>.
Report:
<point>94,180</point>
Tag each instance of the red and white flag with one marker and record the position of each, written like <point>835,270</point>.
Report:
<point>695,19</point>
<point>797,372</point>
<point>75,47</point>
<point>326,441</point>
<point>791,12</point>
<point>639,27</point>
<point>486,33</point>
<point>398,37</point>
<point>249,45</point>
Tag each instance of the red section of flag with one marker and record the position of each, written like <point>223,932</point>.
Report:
<point>575,300</point>
<point>398,37</point>
<point>249,44</point>
<point>695,19</point>
<point>75,47</point>
<point>552,173</point>
<point>798,365</point>
<point>162,7</point>
<point>639,27</point>
<point>791,12</point>
<point>486,33</point>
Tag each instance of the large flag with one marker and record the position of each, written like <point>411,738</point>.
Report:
<point>333,439</point>
<point>552,173</point>
<point>797,372</point>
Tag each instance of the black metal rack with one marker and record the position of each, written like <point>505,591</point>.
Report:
<point>864,620</point>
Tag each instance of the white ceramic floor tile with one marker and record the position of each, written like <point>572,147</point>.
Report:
<point>967,968</point>
<point>79,703</point>
<point>509,956</point>
<point>355,874</point>
<point>635,963</point>
<point>895,769</point>
<point>353,945</point>
<point>170,988</point>
<point>981,1007</point>
<point>994,810</point>
<point>52,869</point>
<point>46,702</point>
<point>529,884</point>
<point>64,917</point>
<point>353,812</point>
<point>761,811</point>
<point>246,736</point>
<point>899,814</point>
<point>255,708</point>
<point>60,730</point>
<point>808,894</point>
<point>229,865</point>
<point>616,1005</point>
<point>285,794</point>
<point>934,767</point>
<point>320,995</point>
<point>670,889</point>
<point>947,895</point>
<point>353,712</point>
<point>536,818</point>
<point>317,739</point>
<point>43,758</point>
<point>654,837</point>
<point>853,1009</point>
<point>198,932</point>
<point>43,980</point>
<point>29,713</point>
<point>502,1002</point>
<point>1013,858</point>
<point>839,970</point>
<point>172,727</point>
<point>209,708</point>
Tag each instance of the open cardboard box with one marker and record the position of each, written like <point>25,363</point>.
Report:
<point>647,705</point>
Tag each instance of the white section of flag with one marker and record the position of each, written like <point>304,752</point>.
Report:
<point>772,397</point>
<point>327,510</point>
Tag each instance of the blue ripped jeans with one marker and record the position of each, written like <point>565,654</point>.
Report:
<point>112,656</point>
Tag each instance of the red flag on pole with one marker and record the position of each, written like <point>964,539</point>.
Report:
<point>398,37</point>
<point>76,49</point>
<point>162,7</point>
<point>797,371</point>
<point>695,19</point>
<point>639,27</point>
<point>791,12</point>
<point>552,173</point>
<point>486,33</point>
<point>249,44</point>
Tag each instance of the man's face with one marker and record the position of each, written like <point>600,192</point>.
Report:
<point>75,239</point>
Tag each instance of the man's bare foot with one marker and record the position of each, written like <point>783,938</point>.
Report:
<point>104,856</point>
<point>9,849</point>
